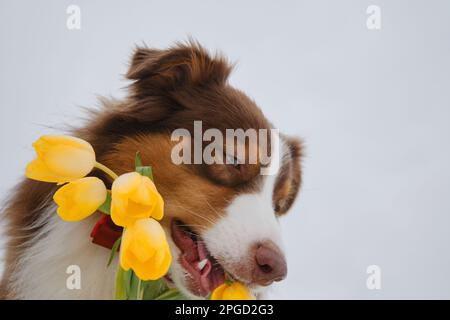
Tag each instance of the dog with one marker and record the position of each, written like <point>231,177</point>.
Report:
<point>219,218</point>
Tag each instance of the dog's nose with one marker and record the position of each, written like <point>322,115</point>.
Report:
<point>270,264</point>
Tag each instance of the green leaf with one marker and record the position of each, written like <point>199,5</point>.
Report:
<point>140,168</point>
<point>106,206</point>
<point>145,171</point>
<point>137,160</point>
<point>154,288</point>
<point>130,287</point>
<point>114,250</point>
<point>171,294</point>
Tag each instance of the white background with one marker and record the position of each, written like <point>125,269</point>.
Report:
<point>372,106</point>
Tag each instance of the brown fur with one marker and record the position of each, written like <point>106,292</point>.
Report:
<point>171,88</point>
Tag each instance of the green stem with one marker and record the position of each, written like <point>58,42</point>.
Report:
<point>228,279</point>
<point>140,291</point>
<point>120,290</point>
<point>106,170</point>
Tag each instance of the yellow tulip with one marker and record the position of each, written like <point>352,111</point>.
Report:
<point>80,198</point>
<point>144,249</point>
<point>61,159</point>
<point>233,291</point>
<point>135,197</point>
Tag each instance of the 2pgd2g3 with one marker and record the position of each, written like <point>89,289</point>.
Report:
<point>264,309</point>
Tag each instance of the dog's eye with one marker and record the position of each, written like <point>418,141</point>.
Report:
<point>233,161</point>
<point>231,170</point>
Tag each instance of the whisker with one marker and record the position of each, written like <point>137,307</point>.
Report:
<point>211,222</point>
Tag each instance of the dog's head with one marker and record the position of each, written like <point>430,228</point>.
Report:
<point>221,217</point>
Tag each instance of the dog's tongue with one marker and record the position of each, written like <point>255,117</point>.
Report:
<point>193,252</point>
<point>184,241</point>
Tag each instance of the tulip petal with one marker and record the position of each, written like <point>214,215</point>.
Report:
<point>237,291</point>
<point>124,249</point>
<point>52,140</point>
<point>150,232</point>
<point>138,210</point>
<point>126,183</point>
<point>163,259</point>
<point>118,209</point>
<point>124,212</point>
<point>233,291</point>
<point>37,170</point>
<point>218,292</point>
<point>145,192</point>
<point>158,208</point>
<point>141,251</point>
<point>151,270</point>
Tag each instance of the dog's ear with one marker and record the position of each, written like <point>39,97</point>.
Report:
<point>182,65</point>
<point>157,75</point>
<point>290,177</point>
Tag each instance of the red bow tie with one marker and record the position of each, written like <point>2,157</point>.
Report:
<point>105,232</point>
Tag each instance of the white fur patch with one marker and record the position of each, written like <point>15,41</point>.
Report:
<point>41,271</point>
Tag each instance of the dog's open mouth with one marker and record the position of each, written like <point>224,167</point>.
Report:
<point>207,274</point>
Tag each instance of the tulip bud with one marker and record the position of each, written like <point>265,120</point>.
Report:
<point>232,291</point>
<point>144,249</point>
<point>79,199</point>
<point>135,197</point>
<point>61,159</point>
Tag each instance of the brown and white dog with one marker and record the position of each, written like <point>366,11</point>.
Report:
<point>220,217</point>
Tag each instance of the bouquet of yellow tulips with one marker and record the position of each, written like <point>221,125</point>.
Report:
<point>133,203</point>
